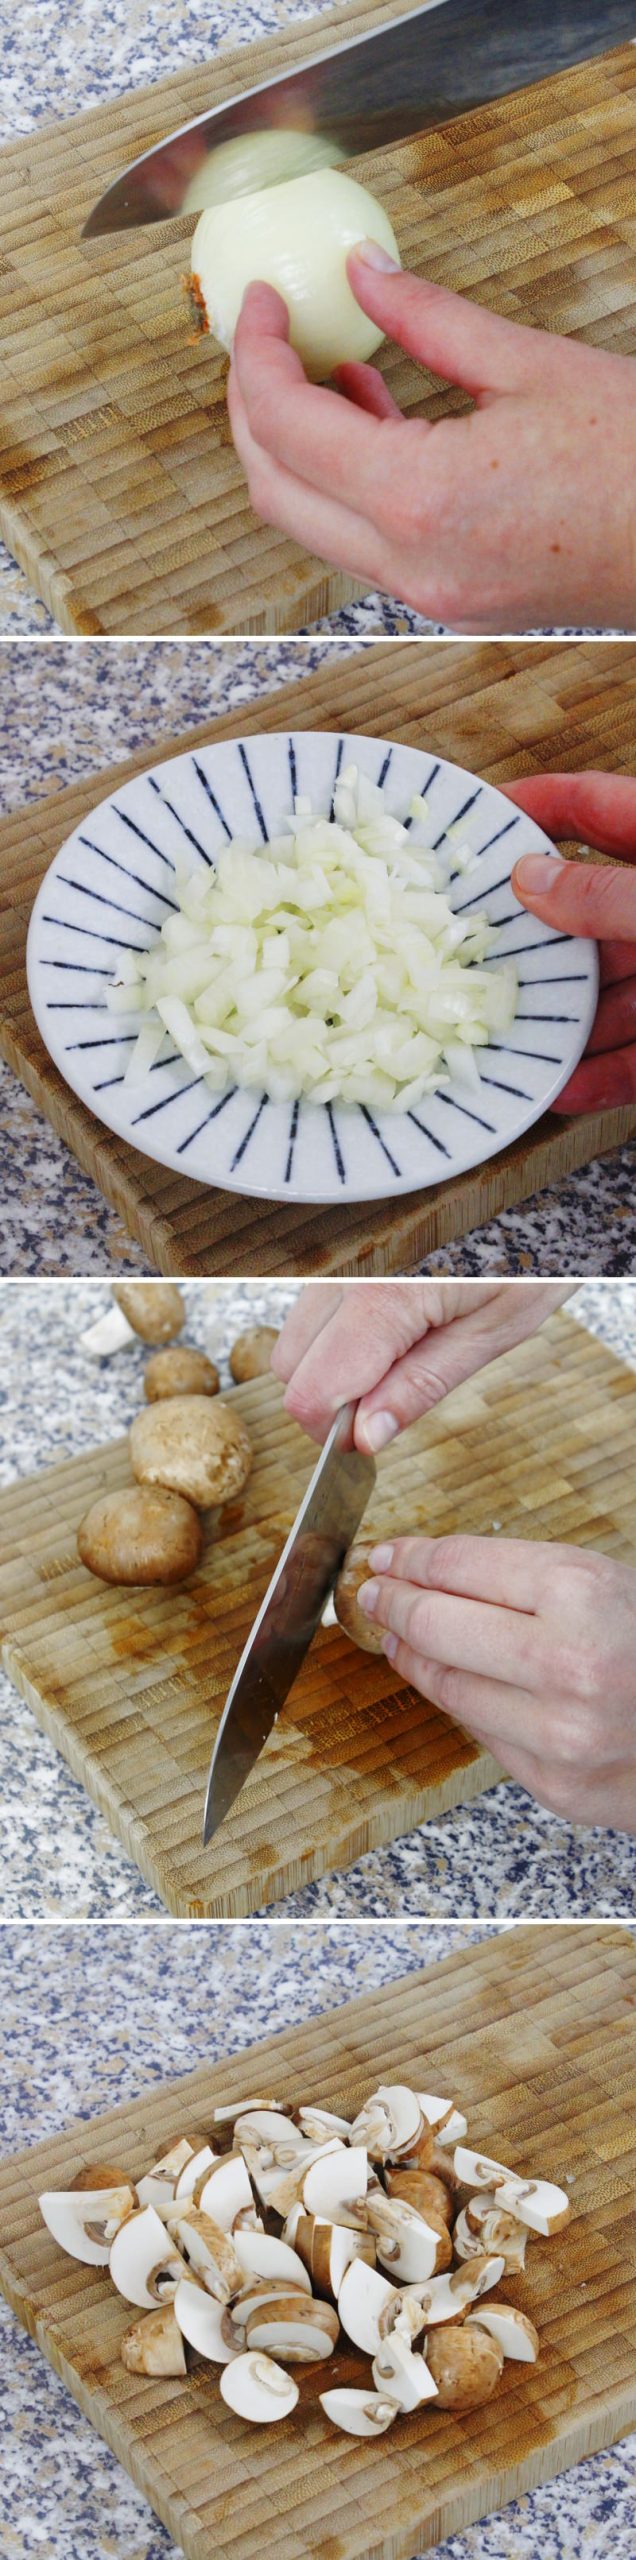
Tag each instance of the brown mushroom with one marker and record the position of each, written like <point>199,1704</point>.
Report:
<point>466,2365</point>
<point>154,1308</point>
<point>355,1570</point>
<point>251,1354</point>
<point>143,1534</point>
<point>426,2192</point>
<point>194,1445</point>
<point>180,1372</point>
<point>155,2345</point>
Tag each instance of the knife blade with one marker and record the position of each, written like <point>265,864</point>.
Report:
<point>441,60</point>
<point>327,1519</point>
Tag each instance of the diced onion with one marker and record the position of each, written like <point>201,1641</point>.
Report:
<point>330,965</point>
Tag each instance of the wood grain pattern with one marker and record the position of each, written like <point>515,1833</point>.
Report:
<point>130,1684</point>
<point>120,492</point>
<point>502,708</point>
<point>535,2035</point>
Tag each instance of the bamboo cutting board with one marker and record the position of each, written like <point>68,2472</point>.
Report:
<point>130,1685</point>
<point>504,709</point>
<point>535,2035</point>
<point>120,492</point>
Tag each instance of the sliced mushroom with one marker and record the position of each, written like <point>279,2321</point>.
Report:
<point>261,2256</point>
<point>99,2174</point>
<point>246,2106</point>
<point>84,2220</point>
<point>318,2124</point>
<point>143,2262</point>
<point>448,2298</point>
<point>180,1372</point>
<point>356,1570</point>
<point>389,2124</point>
<point>193,2172</point>
<point>224,2190</point>
<point>336,2183</point>
<point>201,2319</point>
<point>426,2191</point>
<point>193,1445</point>
<point>285,2192</point>
<point>364,2297</point>
<point>154,1308</point>
<point>359,2413</point>
<point>465,2364</point>
<point>483,2225</point>
<point>155,2345</point>
<point>256,2294</point>
<point>278,2141</point>
<point>159,2185</point>
<point>141,1535</point>
<point>446,2120</point>
<point>206,2250</point>
<point>402,2375</point>
<point>411,2248</point>
<point>295,2328</point>
<point>327,2249</point>
<point>513,2331</point>
<point>256,2388</point>
<point>536,2201</point>
<point>251,1354</point>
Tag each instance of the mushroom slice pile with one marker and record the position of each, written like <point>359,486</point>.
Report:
<point>292,2230</point>
<point>255,2387</point>
<point>84,2220</point>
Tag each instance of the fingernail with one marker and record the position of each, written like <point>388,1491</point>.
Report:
<point>538,872</point>
<point>390,1646</point>
<point>380,1428</point>
<point>381,1559</point>
<point>371,255</point>
<point>368,1596</point>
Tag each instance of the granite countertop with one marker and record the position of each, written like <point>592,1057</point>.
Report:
<point>80,708</point>
<point>91,2019</point>
<point>502,1855</point>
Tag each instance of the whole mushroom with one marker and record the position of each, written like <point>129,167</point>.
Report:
<point>465,2364</point>
<point>154,1308</point>
<point>356,1570</point>
<point>144,1534</point>
<point>193,1445</point>
<point>251,1354</point>
<point>181,1371</point>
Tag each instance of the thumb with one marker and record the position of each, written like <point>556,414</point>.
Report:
<point>450,335</point>
<point>595,899</point>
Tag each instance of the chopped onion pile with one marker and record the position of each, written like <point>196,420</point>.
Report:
<point>328,965</point>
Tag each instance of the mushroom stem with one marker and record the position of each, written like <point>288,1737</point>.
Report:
<point>110,1333</point>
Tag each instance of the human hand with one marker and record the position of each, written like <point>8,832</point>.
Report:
<point>518,515</point>
<point>399,1347</point>
<point>532,1649</point>
<point>585,898</point>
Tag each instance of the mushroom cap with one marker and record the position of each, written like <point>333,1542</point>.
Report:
<point>355,1570</point>
<point>181,1371</point>
<point>141,1535</point>
<point>465,2364</point>
<point>154,1308</point>
<point>425,2190</point>
<point>194,1445</point>
<point>155,2345</point>
<point>250,1356</point>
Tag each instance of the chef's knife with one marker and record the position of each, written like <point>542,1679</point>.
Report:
<point>441,60</point>
<point>329,1514</point>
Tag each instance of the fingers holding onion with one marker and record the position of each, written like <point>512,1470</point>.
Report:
<point>297,237</point>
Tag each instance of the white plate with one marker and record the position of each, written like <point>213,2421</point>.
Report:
<point>112,885</point>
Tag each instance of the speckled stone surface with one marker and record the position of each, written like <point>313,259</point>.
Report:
<point>67,710</point>
<point>94,2017</point>
<point>503,1855</point>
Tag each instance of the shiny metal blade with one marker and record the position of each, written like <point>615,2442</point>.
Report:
<point>329,1514</point>
<point>442,60</point>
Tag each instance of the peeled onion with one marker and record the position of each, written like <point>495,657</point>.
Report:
<point>253,160</point>
<point>296,237</point>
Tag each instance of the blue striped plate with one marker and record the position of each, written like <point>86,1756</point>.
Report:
<point>112,885</point>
